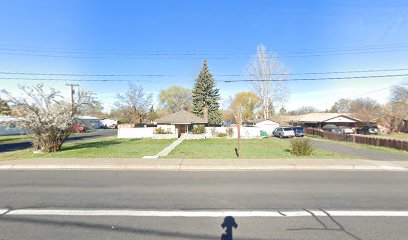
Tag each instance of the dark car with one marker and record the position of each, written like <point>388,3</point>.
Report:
<point>368,130</point>
<point>299,131</point>
<point>333,130</point>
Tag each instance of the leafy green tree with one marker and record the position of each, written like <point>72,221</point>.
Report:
<point>4,108</point>
<point>282,111</point>
<point>247,102</point>
<point>92,107</point>
<point>175,98</point>
<point>206,97</point>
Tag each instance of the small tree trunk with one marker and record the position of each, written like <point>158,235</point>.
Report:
<point>239,134</point>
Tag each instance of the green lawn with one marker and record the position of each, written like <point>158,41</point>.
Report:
<point>14,138</point>
<point>250,148</point>
<point>399,136</point>
<point>99,148</point>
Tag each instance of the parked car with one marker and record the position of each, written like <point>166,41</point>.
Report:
<point>299,131</point>
<point>347,131</point>
<point>368,130</point>
<point>78,128</point>
<point>284,132</point>
<point>333,130</point>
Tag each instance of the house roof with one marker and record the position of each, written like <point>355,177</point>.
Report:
<point>264,120</point>
<point>320,117</point>
<point>181,117</point>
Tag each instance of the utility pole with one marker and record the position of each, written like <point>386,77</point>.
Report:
<point>72,95</point>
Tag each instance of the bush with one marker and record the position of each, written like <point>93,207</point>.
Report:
<point>221,134</point>
<point>301,147</point>
<point>200,129</point>
<point>161,131</point>
<point>230,132</point>
<point>213,132</point>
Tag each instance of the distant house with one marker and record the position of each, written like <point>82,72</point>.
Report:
<point>180,122</point>
<point>9,126</point>
<point>90,122</point>
<point>266,125</point>
<point>319,120</point>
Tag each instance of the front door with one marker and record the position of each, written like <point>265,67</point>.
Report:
<point>181,129</point>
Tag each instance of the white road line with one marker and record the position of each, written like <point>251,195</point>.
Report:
<point>192,214</point>
<point>2,211</point>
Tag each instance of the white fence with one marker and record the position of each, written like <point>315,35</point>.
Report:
<point>136,132</point>
<point>210,132</point>
<point>246,132</point>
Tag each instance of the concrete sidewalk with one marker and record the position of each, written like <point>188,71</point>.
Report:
<point>201,164</point>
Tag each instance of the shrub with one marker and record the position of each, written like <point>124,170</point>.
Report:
<point>161,131</point>
<point>221,134</point>
<point>301,147</point>
<point>199,129</point>
<point>213,132</point>
<point>230,132</point>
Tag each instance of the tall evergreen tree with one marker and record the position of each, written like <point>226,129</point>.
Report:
<point>206,97</point>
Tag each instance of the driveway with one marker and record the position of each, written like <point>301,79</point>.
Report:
<point>8,147</point>
<point>358,151</point>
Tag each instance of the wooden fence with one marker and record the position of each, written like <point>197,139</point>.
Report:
<point>376,141</point>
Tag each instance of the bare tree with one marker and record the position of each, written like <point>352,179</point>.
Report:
<point>134,103</point>
<point>343,105</point>
<point>268,77</point>
<point>304,110</point>
<point>396,110</point>
<point>237,108</point>
<point>399,93</point>
<point>365,109</point>
<point>47,115</point>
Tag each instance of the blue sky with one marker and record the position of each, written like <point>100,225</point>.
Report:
<point>107,37</point>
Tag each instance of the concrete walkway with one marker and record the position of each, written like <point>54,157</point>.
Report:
<point>202,164</point>
<point>167,149</point>
<point>362,152</point>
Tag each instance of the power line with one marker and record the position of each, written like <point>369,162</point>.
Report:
<point>195,57</point>
<point>86,80</point>
<point>317,79</point>
<point>132,55</point>
<point>130,51</point>
<point>173,75</point>
<point>220,80</point>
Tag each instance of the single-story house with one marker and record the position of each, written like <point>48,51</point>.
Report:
<point>319,120</point>
<point>90,122</point>
<point>180,122</point>
<point>9,126</point>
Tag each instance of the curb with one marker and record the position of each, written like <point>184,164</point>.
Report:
<point>204,168</point>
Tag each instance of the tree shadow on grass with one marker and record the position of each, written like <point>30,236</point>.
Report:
<point>96,144</point>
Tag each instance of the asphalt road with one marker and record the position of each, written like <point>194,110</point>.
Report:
<point>366,153</point>
<point>8,147</point>
<point>205,192</point>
